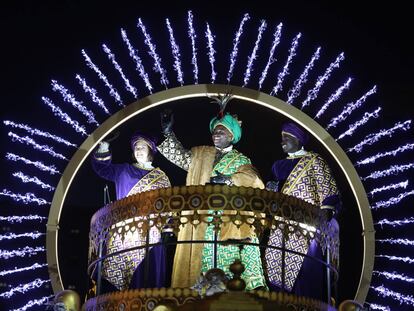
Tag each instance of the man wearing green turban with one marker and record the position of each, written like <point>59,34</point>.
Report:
<point>218,164</point>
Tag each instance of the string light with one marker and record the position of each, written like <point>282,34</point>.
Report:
<point>350,107</point>
<point>193,36</point>
<point>92,93</point>
<point>23,288</point>
<point>30,142</point>
<point>313,93</point>
<point>281,76</point>
<point>397,241</point>
<point>396,258</point>
<point>112,91</point>
<point>392,170</point>
<point>35,131</point>
<point>12,236</point>
<point>112,58</point>
<point>70,98</point>
<point>51,169</point>
<point>385,292</point>
<point>211,51</point>
<point>34,179</point>
<point>394,276</point>
<point>25,198</point>
<point>21,252</point>
<point>380,155</point>
<point>395,223</point>
<point>152,52</point>
<point>374,306</point>
<point>15,270</point>
<point>392,201</point>
<point>374,137</point>
<point>35,302</point>
<point>235,51</point>
<point>403,184</point>
<point>20,219</point>
<point>353,127</point>
<point>333,97</point>
<point>64,116</point>
<point>271,59</point>
<point>176,53</point>
<point>303,78</point>
<point>253,55</point>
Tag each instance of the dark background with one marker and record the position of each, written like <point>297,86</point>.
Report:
<point>42,41</point>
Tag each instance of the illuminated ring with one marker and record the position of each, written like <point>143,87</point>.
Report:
<point>203,90</point>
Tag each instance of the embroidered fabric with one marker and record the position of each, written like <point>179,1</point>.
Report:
<point>174,151</point>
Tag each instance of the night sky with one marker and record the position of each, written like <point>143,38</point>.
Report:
<point>41,42</point>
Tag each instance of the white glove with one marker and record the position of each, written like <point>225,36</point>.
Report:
<point>103,147</point>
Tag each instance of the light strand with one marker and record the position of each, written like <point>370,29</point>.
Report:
<point>112,91</point>
<point>303,78</point>
<point>193,36</point>
<point>333,97</point>
<point>21,252</point>
<point>385,292</point>
<point>70,98</point>
<point>13,236</point>
<point>20,219</point>
<point>30,142</point>
<point>175,49</point>
<point>281,76</point>
<point>276,40</point>
<point>33,179</point>
<point>313,93</point>
<point>373,306</point>
<point>353,127</point>
<point>380,155</point>
<point>23,288</point>
<point>392,170</point>
<point>253,55</point>
<point>211,52</point>
<point>133,53</point>
<point>111,57</point>
<point>51,169</point>
<point>374,137</point>
<point>93,94</point>
<point>35,302</point>
<point>24,198</point>
<point>65,117</point>
<point>16,270</point>
<point>394,276</point>
<point>392,201</point>
<point>395,223</point>
<point>153,53</point>
<point>235,51</point>
<point>35,131</point>
<point>402,184</point>
<point>396,258</point>
<point>397,241</point>
<point>350,107</point>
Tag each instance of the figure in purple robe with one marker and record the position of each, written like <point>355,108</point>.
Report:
<point>307,176</point>
<point>126,270</point>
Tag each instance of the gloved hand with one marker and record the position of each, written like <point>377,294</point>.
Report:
<point>272,185</point>
<point>167,121</point>
<point>221,180</point>
<point>103,147</point>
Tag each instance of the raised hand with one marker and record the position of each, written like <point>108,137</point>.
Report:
<point>103,147</point>
<point>167,121</point>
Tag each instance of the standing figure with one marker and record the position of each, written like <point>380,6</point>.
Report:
<point>219,164</point>
<point>130,179</point>
<point>304,175</point>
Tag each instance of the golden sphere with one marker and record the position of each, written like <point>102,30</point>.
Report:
<point>69,298</point>
<point>350,305</point>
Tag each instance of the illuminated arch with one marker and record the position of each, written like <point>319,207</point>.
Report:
<point>202,90</point>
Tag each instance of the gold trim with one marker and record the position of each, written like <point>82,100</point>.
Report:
<point>203,90</point>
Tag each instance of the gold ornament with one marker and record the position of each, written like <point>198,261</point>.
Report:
<point>350,305</point>
<point>69,298</point>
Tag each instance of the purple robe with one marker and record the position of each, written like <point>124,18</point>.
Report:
<point>130,179</point>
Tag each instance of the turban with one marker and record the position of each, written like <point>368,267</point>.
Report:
<point>230,123</point>
<point>148,139</point>
<point>295,130</point>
